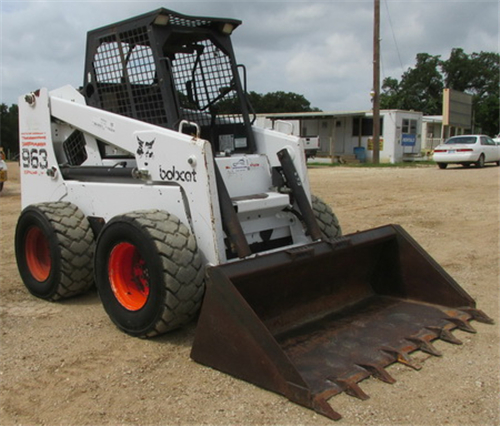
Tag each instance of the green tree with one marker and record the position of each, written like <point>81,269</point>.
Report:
<point>9,130</point>
<point>478,75</point>
<point>269,103</point>
<point>420,88</point>
<point>283,102</point>
<point>458,71</point>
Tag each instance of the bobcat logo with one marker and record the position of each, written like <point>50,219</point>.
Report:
<point>145,149</point>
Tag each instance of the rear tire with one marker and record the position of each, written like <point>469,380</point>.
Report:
<point>54,247</point>
<point>327,220</point>
<point>442,165</point>
<point>149,273</point>
<point>480,162</point>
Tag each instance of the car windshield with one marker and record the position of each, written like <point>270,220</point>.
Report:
<point>461,140</point>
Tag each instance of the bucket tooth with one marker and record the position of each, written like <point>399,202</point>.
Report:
<point>350,388</point>
<point>477,315</point>
<point>378,372</point>
<point>402,358</point>
<point>445,335</point>
<point>462,324</point>
<point>425,346</point>
<point>321,406</point>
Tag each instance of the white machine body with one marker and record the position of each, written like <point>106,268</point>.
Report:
<point>171,171</point>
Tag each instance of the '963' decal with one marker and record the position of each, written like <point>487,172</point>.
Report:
<point>34,158</point>
<point>34,155</point>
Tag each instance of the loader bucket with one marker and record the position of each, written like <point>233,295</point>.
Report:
<point>312,322</point>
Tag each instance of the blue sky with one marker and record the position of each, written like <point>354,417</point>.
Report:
<point>321,49</point>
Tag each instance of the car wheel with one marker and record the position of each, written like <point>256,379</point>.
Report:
<point>442,165</point>
<point>480,162</point>
<point>149,273</point>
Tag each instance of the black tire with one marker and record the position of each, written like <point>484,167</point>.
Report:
<point>54,246</point>
<point>149,273</point>
<point>1,186</point>
<point>442,165</point>
<point>480,162</point>
<point>327,221</point>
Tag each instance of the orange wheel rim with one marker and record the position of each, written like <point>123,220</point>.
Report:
<point>37,252</point>
<point>129,276</point>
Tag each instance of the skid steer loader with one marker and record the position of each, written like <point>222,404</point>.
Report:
<point>153,182</point>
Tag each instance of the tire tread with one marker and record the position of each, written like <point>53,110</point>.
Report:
<point>76,243</point>
<point>327,220</point>
<point>182,265</point>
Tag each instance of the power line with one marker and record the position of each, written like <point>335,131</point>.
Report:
<point>394,36</point>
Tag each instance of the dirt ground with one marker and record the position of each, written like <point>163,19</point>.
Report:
<point>66,364</point>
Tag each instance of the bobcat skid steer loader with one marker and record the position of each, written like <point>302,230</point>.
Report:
<point>153,182</point>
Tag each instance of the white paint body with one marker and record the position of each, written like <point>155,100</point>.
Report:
<point>175,174</point>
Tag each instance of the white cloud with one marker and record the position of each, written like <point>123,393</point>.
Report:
<point>339,56</point>
<point>320,49</point>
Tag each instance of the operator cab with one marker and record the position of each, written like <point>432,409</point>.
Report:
<point>174,71</point>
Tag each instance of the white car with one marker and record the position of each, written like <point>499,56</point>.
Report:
<point>467,150</point>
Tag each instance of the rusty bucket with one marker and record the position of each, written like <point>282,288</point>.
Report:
<point>312,322</point>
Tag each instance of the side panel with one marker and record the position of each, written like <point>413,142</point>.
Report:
<point>190,166</point>
<point>269,142</point>
<point>107,200</point>
<point>245,175</point>
<point>37,156</point>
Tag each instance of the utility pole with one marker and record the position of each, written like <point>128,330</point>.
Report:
<point>376,83</point>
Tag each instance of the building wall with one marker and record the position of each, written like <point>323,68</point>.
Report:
<point>341,133</point>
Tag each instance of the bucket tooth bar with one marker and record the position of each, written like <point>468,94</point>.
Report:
<point>378,372</point>
<point>313,326</point>
<point>462,324</point>
<point>350,387</point>
<point>425,346</point>
<point>478,315</point>
<point>402,358</point>
<point>445,335</point>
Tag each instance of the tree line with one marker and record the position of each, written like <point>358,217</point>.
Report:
<point>421,87</point>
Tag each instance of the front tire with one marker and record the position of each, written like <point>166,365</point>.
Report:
<point>442,165</point>
<point>54,246</point>
<point>148,272</point>
<point>327,220</point>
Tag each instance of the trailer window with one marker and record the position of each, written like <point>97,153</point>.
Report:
<point>409,126</point>
<point>363,126</point>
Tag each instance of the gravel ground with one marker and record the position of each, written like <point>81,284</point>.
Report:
<point>66,364</point>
